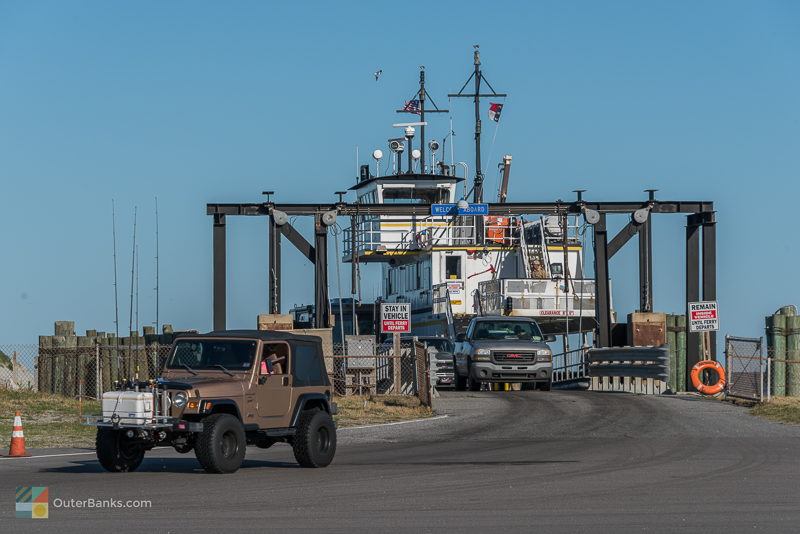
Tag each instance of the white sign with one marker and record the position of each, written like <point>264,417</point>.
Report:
<point>703,316</point>
<point>395,318</point>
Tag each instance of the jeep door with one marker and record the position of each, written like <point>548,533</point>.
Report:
<point>273,385</point>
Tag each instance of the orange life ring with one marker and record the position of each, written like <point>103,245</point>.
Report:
<point>702,388</point>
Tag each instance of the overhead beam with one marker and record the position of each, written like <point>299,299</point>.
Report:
<point>274,275</point>
<point>219,281</point>
<point>603,294</point>
<point>624,235</point>
<point>305,248</point>
<point>510,208</point>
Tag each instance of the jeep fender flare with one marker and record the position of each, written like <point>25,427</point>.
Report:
<point>310,400</point>
<point>216,404</point>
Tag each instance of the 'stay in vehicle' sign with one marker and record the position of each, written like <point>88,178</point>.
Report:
<point>395,318</point>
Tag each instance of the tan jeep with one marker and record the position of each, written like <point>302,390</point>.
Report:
<point>219,392</point>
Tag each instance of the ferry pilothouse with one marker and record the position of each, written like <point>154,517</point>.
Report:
<point>456,262</point>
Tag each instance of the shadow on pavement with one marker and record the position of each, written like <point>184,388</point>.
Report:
<point>163,465</point>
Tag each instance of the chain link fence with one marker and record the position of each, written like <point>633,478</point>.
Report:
<point>360,366</point>
<point>18,366</point>
<point>745,367</point>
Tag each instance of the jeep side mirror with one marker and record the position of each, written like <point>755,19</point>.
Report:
<point>549,338</point>
<point>461,337</point>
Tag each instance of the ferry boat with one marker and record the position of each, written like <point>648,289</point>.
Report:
<point>454,263</point>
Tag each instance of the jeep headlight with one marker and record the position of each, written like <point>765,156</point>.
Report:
<point>180,399</point>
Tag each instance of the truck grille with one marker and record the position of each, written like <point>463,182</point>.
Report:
<point>514,357</point>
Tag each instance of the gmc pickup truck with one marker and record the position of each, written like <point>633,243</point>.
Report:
<point>503,349</point>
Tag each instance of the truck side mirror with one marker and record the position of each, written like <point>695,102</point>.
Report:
<point>549,338</point>
<point>461,337</point>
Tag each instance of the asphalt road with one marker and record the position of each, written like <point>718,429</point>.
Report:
<point>560,461</point>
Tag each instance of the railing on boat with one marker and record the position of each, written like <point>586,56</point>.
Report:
<point>538,297</point>
<point>398,234</point>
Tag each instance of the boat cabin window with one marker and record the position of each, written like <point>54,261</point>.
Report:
<point>452,267</point>
<point>556,269</point>
<point>414,195</point>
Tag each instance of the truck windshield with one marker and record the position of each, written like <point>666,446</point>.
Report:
<point>210,354</point>
<point>524,330</point>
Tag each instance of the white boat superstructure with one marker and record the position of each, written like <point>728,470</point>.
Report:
<point>451,268</point>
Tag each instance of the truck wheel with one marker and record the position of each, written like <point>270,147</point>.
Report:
<point>460,382</point>
<point>220,447</point>
<point>314,442</point>
<point>116,452</point>
<point>472,384</point>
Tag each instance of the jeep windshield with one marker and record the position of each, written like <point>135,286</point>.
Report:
<point>508,330</point>
<point>211,354</point>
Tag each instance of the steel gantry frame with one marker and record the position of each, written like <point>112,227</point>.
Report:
<point>700,220</point>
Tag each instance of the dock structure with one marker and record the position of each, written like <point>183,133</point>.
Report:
<point>700,240</point>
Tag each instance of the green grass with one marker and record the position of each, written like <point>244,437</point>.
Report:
<point>52,420</point>
<point>782,409</point>
<point>47,420</point>
<point>357,410</point>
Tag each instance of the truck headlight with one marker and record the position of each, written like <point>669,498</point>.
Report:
<point>180,399</point>
<point>482,355</point>
<point>544,355</point>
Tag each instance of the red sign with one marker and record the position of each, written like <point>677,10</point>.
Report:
<point>707,314</point>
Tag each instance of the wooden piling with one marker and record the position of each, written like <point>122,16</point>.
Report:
<point>793,354</point>
<point>673,348</point>
<point>776,342</point>
<point>680,324</point>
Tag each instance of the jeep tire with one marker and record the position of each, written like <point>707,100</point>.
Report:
<point>221,446</point>
<point>314,442</point>
<point>459,382</point>
<point>116,452</point>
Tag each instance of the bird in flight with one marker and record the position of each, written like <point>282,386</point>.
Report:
<point>377,74</point>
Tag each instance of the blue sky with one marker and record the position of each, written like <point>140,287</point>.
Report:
<point>197,102</point>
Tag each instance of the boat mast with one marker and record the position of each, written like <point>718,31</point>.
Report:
<point>422,95</point>
<point>478,76</point>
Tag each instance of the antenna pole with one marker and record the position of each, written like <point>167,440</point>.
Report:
<point>422,119</point>
<point>478,190</point>
<point>157,323</point>
<point>116,292</point>
<point>133,265</point>
<point>478,75</point>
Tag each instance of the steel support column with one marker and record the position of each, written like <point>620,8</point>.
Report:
<point>710,269</point>
<point>274,277</point>
<point>321,302</point>
<point>219,290</point>
<point>693,223</point>
<point>646,266</point>
<point>603,300</point>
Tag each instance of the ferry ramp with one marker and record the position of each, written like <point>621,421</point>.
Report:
<point>559,461</point>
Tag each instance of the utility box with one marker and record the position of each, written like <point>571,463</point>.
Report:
<point>275,321</point>
<point>647,329</point>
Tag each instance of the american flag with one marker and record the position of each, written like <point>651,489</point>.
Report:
<point>412,106</point>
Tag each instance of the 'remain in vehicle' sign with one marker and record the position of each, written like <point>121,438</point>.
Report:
<point>703,316</point>
<point>395,317</point>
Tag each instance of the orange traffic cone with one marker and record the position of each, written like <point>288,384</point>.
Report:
<point>17,449</point>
